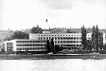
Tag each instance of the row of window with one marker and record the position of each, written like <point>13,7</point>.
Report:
<point>47,38</point>
<point>71,45</point>
<point>9,44</point>
<point>59,35</point>
<point>45,43</point>
<point>31,41</point>
<point>68,41</point>
<point>31,49</point>
<point>31,44</point>
<point>69,37</point>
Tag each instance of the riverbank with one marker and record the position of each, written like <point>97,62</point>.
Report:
<point>56,56</point>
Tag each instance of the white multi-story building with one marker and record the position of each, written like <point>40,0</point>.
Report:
<point>104,38</point>
<point>23,45</point>
<point>66,40</point>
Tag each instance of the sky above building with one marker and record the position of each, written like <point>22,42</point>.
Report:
<point>22,14</point>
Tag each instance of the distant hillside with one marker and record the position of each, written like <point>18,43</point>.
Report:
<point>4,34</point>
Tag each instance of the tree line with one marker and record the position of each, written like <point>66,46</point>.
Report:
<point>36,29</point>
<point>96,41</point>
<point>24,34</point>
<point>94,44</point>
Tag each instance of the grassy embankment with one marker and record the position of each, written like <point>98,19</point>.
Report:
<point>62,56</point>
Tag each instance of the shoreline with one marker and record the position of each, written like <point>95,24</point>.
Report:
<point>54,56</point>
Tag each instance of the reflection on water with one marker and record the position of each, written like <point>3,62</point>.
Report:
<point>53,65</point>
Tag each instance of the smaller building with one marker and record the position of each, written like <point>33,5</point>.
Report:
<point>24,45</point>
<point>104,38</point>
<point>46,31</point>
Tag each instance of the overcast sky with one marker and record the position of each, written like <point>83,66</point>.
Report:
<point>22,14</point>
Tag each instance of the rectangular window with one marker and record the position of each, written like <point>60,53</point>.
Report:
<point>41,38</point>
<point>44,38</point>
<point>38,38</point>
<point>49,38</point>
<point>105,36</point>
<point>17,41</point>
<point>55,41</point>
<point>55,37</point>
<point>9,44</point>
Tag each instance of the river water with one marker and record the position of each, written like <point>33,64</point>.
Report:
<point>54,65</point>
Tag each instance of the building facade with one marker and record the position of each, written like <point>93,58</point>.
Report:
<point>104,38</point>
<point>65,40</point>
<point>23,45</point>
<point>37,42</point>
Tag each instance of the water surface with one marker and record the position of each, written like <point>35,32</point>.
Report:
<point>53,65</point>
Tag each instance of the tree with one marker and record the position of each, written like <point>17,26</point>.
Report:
<point>70,31</point>
<point>7,35</point>
<point>83,38</point>
<point>94,38</point>
<point>97,38</point>
<point>104,47</point>
<point>8,38</point>
<point>58,30</point>
<point>48,46</point>
<point>20,35</point>
<point>52,45</point>
<point>36,30</point>
<point>89,45</point>
<point>57,48</point>
<point>100,40</point>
